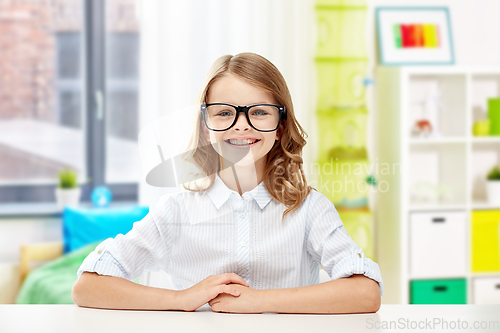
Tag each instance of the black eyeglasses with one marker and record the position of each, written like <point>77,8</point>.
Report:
<point>262,117</point>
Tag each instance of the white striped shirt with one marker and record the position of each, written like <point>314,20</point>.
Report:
<point>191,235</point>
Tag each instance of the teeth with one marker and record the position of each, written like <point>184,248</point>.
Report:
<point>241,142</point>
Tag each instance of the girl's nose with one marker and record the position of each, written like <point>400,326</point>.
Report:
<point>242,123</point>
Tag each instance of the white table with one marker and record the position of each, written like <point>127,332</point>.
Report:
<point>70,318</point>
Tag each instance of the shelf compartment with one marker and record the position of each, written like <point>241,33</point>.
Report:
<point>485,155</point>
<point>441,291</point>
<point>341,31</point>
<point>438,244</point>
<point>341,84</point>
<point>343,132</point>
<point>343,182</point>
<point>486,290</point>
<point>437,175</point>
<point>485,244</point>
<point>441,99</point>
<point>483,87</point>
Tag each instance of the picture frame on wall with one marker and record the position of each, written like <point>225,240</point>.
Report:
<point>414,36</point>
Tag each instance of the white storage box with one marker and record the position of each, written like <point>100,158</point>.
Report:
<point>438,244</point>
<point>486,290</point>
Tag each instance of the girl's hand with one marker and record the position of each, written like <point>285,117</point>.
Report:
<point>206,290</point>
<point>249,301</point>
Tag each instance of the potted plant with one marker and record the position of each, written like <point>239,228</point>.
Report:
<point>493,186</point>
<point>67,192</point>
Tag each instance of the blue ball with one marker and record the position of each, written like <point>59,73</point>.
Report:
<point>101,196</point>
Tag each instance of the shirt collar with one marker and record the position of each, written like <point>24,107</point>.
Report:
<point>219,193</point>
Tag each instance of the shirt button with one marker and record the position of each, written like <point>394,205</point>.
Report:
<point>242,215</point>
<point>243,244</point>
<point>359,255</point>
<point>99,252</point>
<point>243,271</point>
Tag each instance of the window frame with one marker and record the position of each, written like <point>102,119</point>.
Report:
<point>94,110</point>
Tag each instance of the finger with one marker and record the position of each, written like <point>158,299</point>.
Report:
<point>225,289</point>
<point>232,277</point>
<point>221,289</point>
<point>216,307</point>
<point>214,300</point>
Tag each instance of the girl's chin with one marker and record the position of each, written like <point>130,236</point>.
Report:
<point>239,157</point>
<point>248,159</point>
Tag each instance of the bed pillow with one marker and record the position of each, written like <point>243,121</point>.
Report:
<point>52,282</point>
<point>82,226</point>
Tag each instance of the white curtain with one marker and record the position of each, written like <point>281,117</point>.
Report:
<point>181,39</point>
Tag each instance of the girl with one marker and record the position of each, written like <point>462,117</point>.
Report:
<point>251,238</point>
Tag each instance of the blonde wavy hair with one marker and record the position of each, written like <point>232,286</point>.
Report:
<point>284,175</point>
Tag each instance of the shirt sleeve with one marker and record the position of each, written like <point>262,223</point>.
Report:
<point>329,243</point>
<point>144,248</point>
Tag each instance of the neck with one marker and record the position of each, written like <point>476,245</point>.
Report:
<point>243,178</point>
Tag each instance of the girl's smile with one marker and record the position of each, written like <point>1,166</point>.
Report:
<point>244,142</point>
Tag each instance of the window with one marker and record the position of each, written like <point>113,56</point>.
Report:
<point>68,97</point>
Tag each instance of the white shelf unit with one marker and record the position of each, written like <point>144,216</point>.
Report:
<point>455,159</point>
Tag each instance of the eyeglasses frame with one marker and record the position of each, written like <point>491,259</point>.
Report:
<point>244,109</point>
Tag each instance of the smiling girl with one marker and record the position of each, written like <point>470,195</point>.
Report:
<point>251,239</point>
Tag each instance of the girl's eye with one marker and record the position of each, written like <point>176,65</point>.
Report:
<point>225,114</point>
<point>259,113</point>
